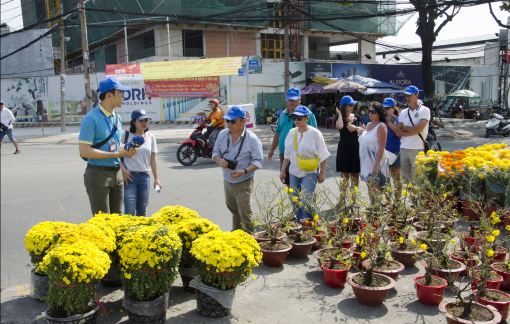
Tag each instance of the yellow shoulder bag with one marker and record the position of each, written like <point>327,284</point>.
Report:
<point>305,164</point>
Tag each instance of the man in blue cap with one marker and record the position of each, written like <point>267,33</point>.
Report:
<point>413,123</point>
<point>100,144</point>
<point>7,118</point>
<point>285,124</point>
<point>239,153</point>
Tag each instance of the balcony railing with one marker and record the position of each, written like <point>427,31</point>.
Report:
<point>326,55</point>
<point>197,52</point>
<point>138,55</point>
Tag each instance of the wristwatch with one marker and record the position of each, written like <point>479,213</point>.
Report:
<point>245,171</point>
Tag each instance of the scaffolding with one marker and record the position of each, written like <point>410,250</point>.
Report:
<point>294,28</point>
<point>53,10</point>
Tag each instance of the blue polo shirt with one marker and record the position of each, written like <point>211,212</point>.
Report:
<point>96,126</point>
<point>285,124</point>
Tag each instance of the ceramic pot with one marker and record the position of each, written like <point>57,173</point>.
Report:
<point>371,296</point>
<point>450,319</point>
<point>430,295</point>
<point>275,259</point>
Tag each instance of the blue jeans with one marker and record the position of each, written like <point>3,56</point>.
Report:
<point>136,194</point>
<point>306,185</point>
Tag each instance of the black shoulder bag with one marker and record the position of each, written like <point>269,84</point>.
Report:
<point>103,142</point>
<point>425,143</point>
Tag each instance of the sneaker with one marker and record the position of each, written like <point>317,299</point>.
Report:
<point>17,152</point>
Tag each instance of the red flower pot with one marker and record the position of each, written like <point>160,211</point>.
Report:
<point>394,235</point>
<point>335,278</point>
<point>505,285</point>
<point>319,238</point>
<point>445,273</point>
<point>347,245</point>
<point>488,213</point>
<point>275,258</point>
<point>450,319</point>
<point>326,259</point>
<point>469,209</point>
<point>430,295</point>
<point>299,250</point>
<point>371,296</point>
<point>500,256</point>
<point>356,257</point>
<point>502,307</point>
<point>490,283</point>
<point>407,258</point>
<point>393,274</point>
<point>468,262</point>
<point>263,239</point>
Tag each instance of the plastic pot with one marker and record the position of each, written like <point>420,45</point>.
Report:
<point>316,254</point>
<point>505,285</point>
<point>393,274</point>
<point>210,307</point>
<point>371,296</point>
<point>356,257</point>
<point>87,318</point>
<point>502,307</point>
<point>318,240</point>
<point>468,262</point>
<point>40,285</point>
<point>112,278</point>
<point>187,274</point>
<point>445,273</point>
<point>469,209</point>
<point>430,295</point>
<point>153,311</point>
<point>275,259</point>
<point>261,239</point>
<point>450,319</point>
<point>299,250</point>
<point>407,258</point>
<point>335,278</point>
<point>491,284</point>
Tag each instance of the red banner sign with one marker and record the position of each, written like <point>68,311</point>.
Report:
<point>129,68</point>
<point>184,87</point>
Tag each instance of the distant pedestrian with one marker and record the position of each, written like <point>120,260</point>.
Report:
<point>347,156</point>
<point>304,143</point>
<point>239,153</point>
<point>136,171</point>
<point>103,177</point>
<point>285,124</point>
<point>413,122</point>
<point>393,140</point>
<point>7,120</point>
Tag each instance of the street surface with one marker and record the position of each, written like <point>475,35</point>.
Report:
<point>45,183</point>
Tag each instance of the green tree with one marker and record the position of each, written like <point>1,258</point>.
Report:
<point>504,6</point>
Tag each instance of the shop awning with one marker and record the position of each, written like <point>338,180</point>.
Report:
<point>315,87</point>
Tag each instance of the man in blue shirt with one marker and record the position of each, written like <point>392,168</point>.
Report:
<point>285,124</point>
<point>239,153</point>
<point>103,178</point>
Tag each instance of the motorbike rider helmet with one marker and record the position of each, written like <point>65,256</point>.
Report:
<point>215,101</point>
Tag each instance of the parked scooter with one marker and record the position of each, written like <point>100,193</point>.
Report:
<point>191,149</point>
<point>274,120</point>
<point>472,114</point>
<point>497,126</point>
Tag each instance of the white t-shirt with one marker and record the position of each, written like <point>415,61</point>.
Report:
<point>309,147</point>
<point>7,118</point>
<point>414,142</point>
<point>141,162</point>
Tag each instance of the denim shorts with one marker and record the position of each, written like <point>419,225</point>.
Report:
<point>8,133</point>
<point>378,179</point>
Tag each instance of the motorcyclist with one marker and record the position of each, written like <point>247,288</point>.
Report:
<point>431,136</point>
<point>215,118</point>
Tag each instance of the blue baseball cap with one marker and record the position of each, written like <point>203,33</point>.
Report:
<point>111,83</point>
<point>388,102</point>
<point>139,114</point>
<point>1,102</point>
<point>347,100</point>
<point>410,90</point>
<point>301,111</point>
<point>235,112</point>
<point>293,94</point>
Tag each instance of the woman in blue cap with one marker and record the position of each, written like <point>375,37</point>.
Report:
<point>393,140</point>
<point>347,157</point>
<point>307,154</point>
<point>136,171</point>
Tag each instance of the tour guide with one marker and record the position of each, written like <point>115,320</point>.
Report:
<point>243,151</point>
<point>103,178</point>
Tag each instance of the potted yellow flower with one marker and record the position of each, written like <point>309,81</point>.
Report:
<point>74,269</point>
<point>38,242</point>
<point>189,230</point>
<point>225,260</point>
<point>170,215</point>
<point>149,257</point>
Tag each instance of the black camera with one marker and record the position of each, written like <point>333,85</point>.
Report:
<point>231,164</point>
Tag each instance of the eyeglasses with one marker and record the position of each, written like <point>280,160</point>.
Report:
<point>371,111</point>
<point>388,108</point>
<point>232,121</point>
<point>295,117</point>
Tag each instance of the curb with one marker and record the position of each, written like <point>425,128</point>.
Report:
<point>55,124</point>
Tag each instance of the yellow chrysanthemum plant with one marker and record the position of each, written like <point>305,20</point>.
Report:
<point>149,257</point>
<point>103,239</point>
<point>40,239</point>
<point>273,203</point>
<point>189,230</point>
<point>225,259</point>
<point>426,166</point>
<point>74,269</point>
<point>170,215</point>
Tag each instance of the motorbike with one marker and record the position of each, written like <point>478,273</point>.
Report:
<point>497,126</point>
<point>471,114</point>
<point>274,120</point>
<point>433,143</point>
<point>191,149</point>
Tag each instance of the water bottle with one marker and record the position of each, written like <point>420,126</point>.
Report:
<point>158,189</point>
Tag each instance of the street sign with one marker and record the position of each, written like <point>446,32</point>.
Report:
<point>253,63</point>
<point>241,72</point>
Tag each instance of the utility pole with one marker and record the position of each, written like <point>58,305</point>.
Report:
<point>125,40</point>
<point>170,56</point>
<point>286,55</point>
<point>62,74</point>
<point>85,51</point>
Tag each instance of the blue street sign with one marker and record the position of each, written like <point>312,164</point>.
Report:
<point>241,72</point>
<point>254,64</point>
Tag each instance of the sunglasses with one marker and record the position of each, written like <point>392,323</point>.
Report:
<point>295,117</point>
<point>387,108</point>
<point>371,111</point>
<point>232,121</point>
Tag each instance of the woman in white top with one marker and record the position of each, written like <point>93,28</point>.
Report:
<point>136,171</point>
<point>372,144</point>
<point>310,145</point>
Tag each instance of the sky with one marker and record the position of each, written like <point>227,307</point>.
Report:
<point>471,21</point>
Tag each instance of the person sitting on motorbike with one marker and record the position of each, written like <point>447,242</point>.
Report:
<point>215,118</point>
<point>431,136</point>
